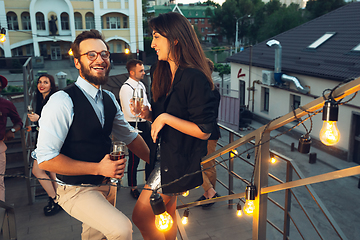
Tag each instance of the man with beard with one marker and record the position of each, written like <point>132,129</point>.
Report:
<point>74,142</point>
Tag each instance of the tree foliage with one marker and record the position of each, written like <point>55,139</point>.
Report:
<point>258,21</point>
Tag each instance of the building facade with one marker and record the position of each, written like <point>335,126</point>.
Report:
<point>47,28</point>
<point>299,65</point>
<point>196,14</point>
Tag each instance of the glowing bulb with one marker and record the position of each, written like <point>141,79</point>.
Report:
<point>239,212</point>
<point>2,38</point>
<point>329,133</point>
<point>185,218</point>
<point>70,52</point>
<point>233,153</point>
<point>163,221</point>
<point>249,207</point>
<point>185,194</point>
<point>127,51</point>
<point>273,160</point>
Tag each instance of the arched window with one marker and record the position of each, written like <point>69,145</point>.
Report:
<point>78,20</point>
<point>40,21</point>
<point>12,21</point>
<point>64,21</point>
<point>25,19</point>
<point>89,20</point>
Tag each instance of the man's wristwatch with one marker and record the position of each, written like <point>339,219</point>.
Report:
<point>13,130</point>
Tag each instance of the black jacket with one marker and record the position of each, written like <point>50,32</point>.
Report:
<point>190,98</point>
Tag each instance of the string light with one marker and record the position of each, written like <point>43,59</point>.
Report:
<point>272,158</point>
<point>163,220</point>
<point>185,194</point>
<point>2,35</point>
<point>70,52</point>
<point>329,133</point>
<point>239,211</point>
<point>233,153</point>
<point>185,218</point>
<point>249,206</point>
<point>127,51</point>
<point>304,143</point>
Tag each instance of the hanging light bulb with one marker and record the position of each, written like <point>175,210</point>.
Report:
<point>249,206</point>
<point>233,153</point>
<point>329,133</point>
<point>239,211</point>
<point>2,35</point>
<point>248,156</point>
<point>185,194</point>
<point>163,220</point>
<point>272,158</point>
<point>185,218</point>
<point>127,51</point>
<point>70,52</point>
<point>304,143</point>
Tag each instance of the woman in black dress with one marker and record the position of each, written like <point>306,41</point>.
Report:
<point>183,116</point>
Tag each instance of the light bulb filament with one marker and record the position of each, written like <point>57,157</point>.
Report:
<point>249,207</point>
<point>163,222</point>
<point>329,134</point>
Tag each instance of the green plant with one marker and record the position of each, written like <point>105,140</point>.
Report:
<point>13,89</point>
<point>69,81</point>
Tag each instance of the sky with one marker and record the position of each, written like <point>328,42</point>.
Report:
<point>195,1</point>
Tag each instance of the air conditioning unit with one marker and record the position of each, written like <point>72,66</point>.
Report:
<point>268,77</point>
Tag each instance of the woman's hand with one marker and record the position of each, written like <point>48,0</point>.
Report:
<point>145,112</point>
<point>33,117</point>
<point>157,125</point>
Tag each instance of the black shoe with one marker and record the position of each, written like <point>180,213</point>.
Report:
<point>202,198</point>
<point>134,193</point>
<point>52,208</point>
<point>209,205</point>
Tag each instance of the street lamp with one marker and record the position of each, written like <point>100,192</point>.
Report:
<point>2,35</point>
<point>237,31</point>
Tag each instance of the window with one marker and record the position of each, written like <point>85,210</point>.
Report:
<point>25,19</point>
<point>111,47</point>
<point>189,20</point>
<point>78,21</point>
<point>29,50</point>
<point>119,48</point>
<point>265,99</point>
<point>321,40</point>
<point>64,21</point>
<point>125,22</point>
<point>40,22</point>
<point>112,22</point>
<point>202,21</point>
<point>17,51</point>
<point>89,21</point>
<point>295,102</point>
<point>202,30</point>
<point>196,21</point>
<point>12,21</point>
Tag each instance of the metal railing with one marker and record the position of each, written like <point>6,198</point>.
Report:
<point>261,138</point>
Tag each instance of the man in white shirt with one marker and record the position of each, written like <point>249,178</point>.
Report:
<point>74,142</point>
<point>136,72</point>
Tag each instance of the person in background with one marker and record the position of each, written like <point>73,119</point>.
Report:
<point>182,115</point>
<point>45,88</point>
<point>74,142</point>
<point>136,72</point>
<point>209,172</point>
<point>7,109</point>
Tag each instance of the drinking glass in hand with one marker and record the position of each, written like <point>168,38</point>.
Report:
<point>137,103</point>
<point>31,111</point>
<point>117,153</point>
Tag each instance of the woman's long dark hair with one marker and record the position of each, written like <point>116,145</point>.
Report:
<point>187,52</point>
<point>40,101</point>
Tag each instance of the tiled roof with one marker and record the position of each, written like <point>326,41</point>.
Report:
<point>334,59</point>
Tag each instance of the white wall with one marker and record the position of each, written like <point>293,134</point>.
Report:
<point>280,100</point>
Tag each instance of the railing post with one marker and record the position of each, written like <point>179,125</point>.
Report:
<point>287,202</point>
<point>231,169</point>
<point>261,180</point>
